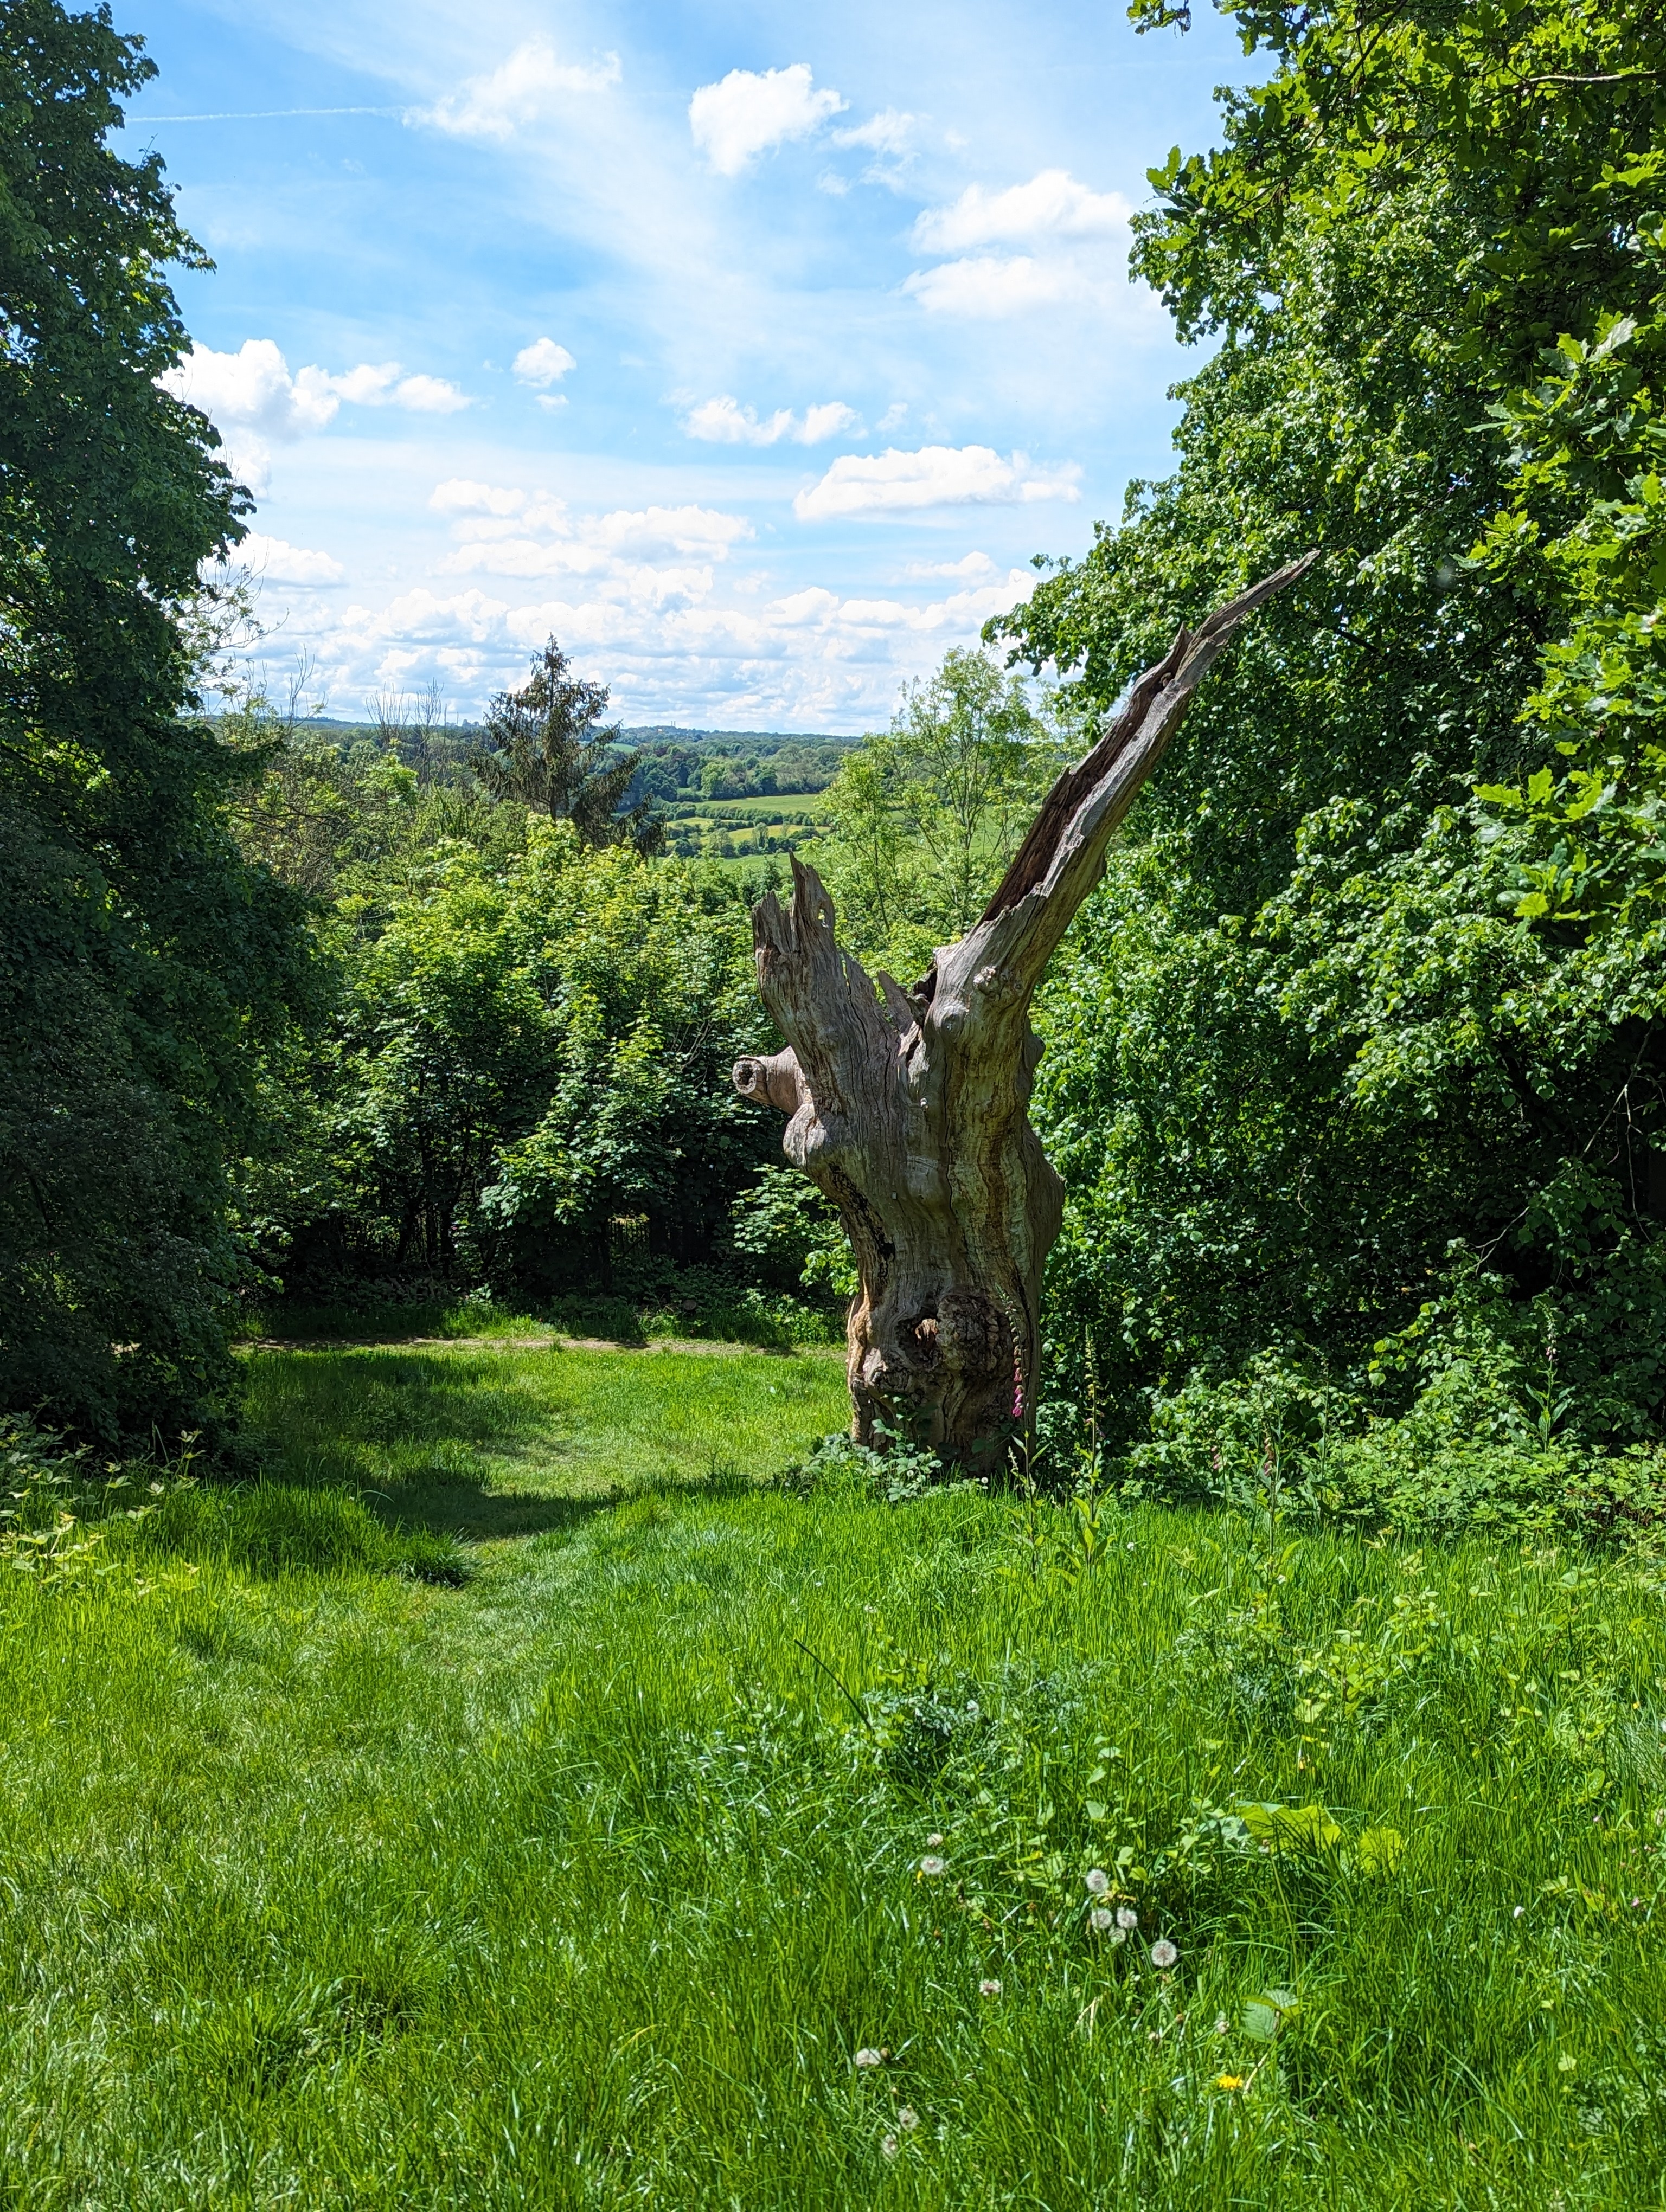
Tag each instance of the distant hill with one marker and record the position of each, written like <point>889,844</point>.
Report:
<point>762,742</point>
<point>678,765</point>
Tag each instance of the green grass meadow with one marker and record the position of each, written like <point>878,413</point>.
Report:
<point>484,1443</point>
<point>701,1844</point>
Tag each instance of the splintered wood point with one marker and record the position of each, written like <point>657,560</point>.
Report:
<point>910,1108</point>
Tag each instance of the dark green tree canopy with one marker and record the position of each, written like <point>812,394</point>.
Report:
<point>112,493</point>
<point>1329,1084</point>
<point>543,748</point>
<point>144,962</point>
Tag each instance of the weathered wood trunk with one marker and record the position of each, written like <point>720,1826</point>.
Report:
<point>911,1110</point>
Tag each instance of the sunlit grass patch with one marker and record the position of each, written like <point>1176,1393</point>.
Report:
<point>489,1442</point>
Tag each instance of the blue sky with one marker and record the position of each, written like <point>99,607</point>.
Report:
<point>751,350</point>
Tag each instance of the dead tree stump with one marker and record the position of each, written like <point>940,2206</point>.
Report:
<point>911,1110</point>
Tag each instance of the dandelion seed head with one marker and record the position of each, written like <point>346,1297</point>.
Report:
<point>933,1841</point>
<point>1119,1935</point>
<point>1163,1953</point>
<point>908,2119</point>
<point>1222,2023</point>
<point>888,2145</point>
<point>931,1864</point>
<point>1102,1917</point>
<point>1126,1917</point>
<point>988,1987</point>
<point>867,2056</point>
<point>1097,1881</point>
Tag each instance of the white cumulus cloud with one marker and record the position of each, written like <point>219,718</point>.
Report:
<point>936,476</point>
<point>642,563</point>
<point>1076,237</point>
<point>533,84</point>
<point>1053,204</point>
<point>723,422</point>
<point>273,560</point>
<point>673,529</point>
<point>659,557</point>
<point>749,111</point>
<point>251,390</point>
<point>665,643</point>
<point>834,617</point>
<point>543,363</point>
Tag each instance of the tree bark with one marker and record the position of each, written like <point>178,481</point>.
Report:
<point>909,1110</point>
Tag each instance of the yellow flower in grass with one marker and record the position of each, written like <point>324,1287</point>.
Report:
<point>1229,2080</point>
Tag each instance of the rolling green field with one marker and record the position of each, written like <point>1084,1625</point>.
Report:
<point>675,1840</point>
<point>753,827</point>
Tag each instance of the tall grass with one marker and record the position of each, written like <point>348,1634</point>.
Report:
<point>590,1882</point>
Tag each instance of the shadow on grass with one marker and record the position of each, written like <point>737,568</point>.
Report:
<point>469,1446</point>
<point>388,1422</point>
<point>631,1324</point>
<point>473,1513</point>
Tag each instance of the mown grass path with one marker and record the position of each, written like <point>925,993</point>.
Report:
<point>499,1437</point>
<point>593,1882</point>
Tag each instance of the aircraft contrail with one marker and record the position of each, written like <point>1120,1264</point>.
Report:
<point>261,114</point>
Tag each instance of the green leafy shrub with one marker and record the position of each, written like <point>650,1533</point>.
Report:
<point>839,1467</point>
<point>1467,1456</point>
<point>67,1519</point>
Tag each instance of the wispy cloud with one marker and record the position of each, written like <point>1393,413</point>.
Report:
<point>1053,204</point>
<point>894,483</point>
<point>272,560</point>
<point>750,112</point>
<point>968,569</point>
<point>146,120</point>
<point>723,422</point>
<point>534,83</point>
<point>890,135</point>
<point>890,131</point>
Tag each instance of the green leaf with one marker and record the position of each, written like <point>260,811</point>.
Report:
<point>1379,1850</point>
<point>1290,1827</point>
<point>1264,2016</point>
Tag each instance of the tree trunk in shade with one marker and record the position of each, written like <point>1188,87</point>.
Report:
<point>910,1108</point>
